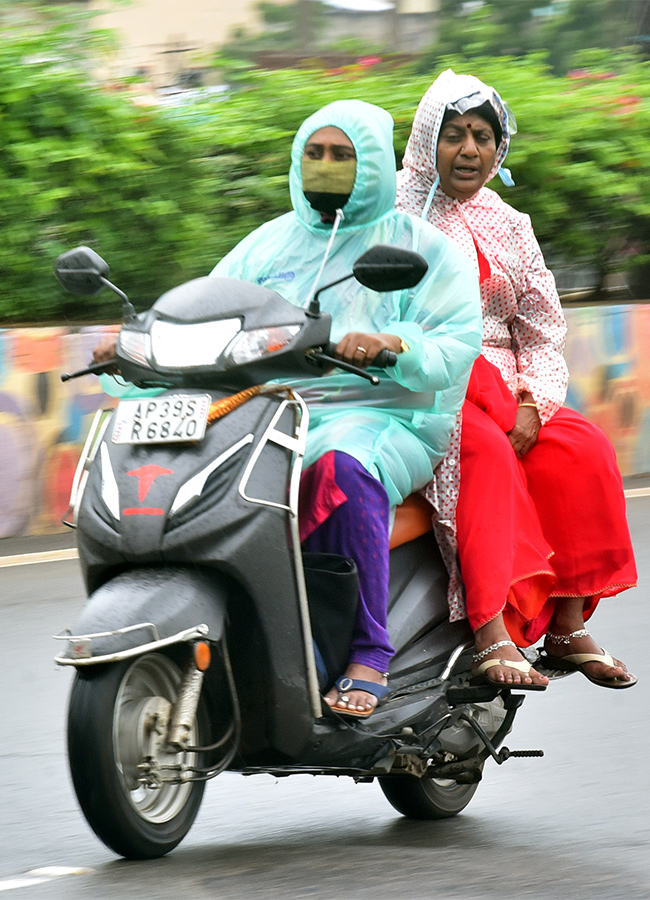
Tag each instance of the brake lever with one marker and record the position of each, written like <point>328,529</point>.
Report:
<point>92,369</point>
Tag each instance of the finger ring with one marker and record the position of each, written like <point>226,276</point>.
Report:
<point>363,349</point>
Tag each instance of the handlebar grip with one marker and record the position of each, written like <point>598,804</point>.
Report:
<point>384,359</point>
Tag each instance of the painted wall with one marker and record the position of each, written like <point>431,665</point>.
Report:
<point>608,354</point>
<point>43,422</point>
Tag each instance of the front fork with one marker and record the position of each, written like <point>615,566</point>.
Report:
<point>169,727</point>
<point>165,729</point>
<point>184,711</point>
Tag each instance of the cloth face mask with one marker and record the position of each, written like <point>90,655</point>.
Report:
<point>326,184</point>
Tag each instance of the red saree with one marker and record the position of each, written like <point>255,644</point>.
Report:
<point>533,530</point>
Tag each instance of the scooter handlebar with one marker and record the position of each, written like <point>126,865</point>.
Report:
<point>92,369</point>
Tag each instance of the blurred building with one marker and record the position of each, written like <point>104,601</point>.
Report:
<point>172,44</point>
<point>406,26</point>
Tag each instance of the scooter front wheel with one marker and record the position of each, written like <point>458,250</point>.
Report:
<point>110,718</point>
<point>426,798</point>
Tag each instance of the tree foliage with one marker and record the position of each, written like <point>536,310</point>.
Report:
<point>577,159</point>
<point>79,164</point>
<point>560,28</point>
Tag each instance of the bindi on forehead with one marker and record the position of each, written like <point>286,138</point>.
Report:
<point>479,126</point>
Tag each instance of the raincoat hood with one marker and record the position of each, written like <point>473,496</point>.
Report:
<point>370,129</point>
<point>461,93</point>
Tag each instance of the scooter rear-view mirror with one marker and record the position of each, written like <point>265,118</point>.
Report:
<point>381,268</point>
<point>81,271</point>
<point>386,268</point>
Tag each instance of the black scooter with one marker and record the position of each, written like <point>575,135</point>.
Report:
<point>207,637</point>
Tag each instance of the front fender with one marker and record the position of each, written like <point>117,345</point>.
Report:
<point>145,609</point>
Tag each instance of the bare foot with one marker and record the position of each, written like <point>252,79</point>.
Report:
<point>356,701</point>
<point>584,644</point>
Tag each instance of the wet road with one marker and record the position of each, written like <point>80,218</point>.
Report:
<point>575,824</point>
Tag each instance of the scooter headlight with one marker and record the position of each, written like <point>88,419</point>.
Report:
<point>178,346</point>
<point>256,344</point>
<point>136,345</point>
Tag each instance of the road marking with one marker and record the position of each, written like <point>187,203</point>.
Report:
<point>39,876</point>
<point>637,492</point>
<point>13,884</point>
<point>30,559</point>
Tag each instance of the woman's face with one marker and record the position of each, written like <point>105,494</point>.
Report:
<point>465,155</point>
<point>329,144</point>
<point>328,170</point>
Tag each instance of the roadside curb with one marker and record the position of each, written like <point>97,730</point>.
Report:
<point>41,543</point>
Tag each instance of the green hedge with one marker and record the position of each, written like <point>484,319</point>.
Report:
<point>162,194</point>
<point>578,159</point>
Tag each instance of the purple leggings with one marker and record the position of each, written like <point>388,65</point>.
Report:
<point>359,529</point>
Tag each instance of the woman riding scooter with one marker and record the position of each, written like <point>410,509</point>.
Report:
<point>369,447</point>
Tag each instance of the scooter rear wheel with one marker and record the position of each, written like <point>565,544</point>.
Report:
<point>426,798</point>
<point>109,724</point>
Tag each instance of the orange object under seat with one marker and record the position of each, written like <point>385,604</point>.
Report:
<point>412,519</point>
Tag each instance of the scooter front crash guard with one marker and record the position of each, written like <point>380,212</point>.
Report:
<point>143,610</point>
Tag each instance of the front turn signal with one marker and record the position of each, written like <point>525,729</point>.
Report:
<point>202,655</point>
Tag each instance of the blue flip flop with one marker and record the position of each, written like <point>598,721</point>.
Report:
<point>344,683</point>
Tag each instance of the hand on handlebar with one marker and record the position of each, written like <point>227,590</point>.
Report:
<point>105,351</point>
<point>361,349</point>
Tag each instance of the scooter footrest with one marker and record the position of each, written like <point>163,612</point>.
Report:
<point>480,693</point>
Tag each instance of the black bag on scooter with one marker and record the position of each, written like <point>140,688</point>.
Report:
<point>333,593</point>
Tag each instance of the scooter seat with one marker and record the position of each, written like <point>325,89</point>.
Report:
<point>412,519</point>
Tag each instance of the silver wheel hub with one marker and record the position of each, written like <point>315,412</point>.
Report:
<point>154,776</point>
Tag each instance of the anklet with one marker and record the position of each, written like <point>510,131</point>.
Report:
<point>477,657</point>
<point>566,638</point>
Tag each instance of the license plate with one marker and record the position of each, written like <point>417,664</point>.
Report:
<point>161,420</point>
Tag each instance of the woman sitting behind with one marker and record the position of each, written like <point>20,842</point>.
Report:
<point>535,512</point>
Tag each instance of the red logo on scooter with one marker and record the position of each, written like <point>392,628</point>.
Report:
<point>146,476</point>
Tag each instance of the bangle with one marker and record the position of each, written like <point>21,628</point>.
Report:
<point>533,405</point>
<point>403,346</point>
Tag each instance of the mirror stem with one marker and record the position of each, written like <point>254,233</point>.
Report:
<point>128,310</point>
<point>313,311</point>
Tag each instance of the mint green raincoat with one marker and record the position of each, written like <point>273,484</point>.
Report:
<point>398,430</point>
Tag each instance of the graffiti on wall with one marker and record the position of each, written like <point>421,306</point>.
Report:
<point>607,352</point>
<point>43,422</point>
